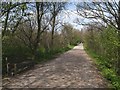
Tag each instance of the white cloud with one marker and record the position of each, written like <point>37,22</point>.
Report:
<point>69,16</point>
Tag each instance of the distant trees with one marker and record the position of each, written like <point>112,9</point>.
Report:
<point>71,35</point>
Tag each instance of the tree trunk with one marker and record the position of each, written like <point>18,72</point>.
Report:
<point>39,17</point>
<point>53,26</point>
<point>52,36</point>
<point>5,25</point>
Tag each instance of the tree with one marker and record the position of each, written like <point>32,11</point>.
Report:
<point>41,8</point>
<point>56,8</point>
<point>106,13</point>
<point>11,13</point>
<point>70,34</point>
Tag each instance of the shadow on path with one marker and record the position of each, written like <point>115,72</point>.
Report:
<point>73,69</point>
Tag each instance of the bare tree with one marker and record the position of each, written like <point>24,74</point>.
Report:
<point>107,12</point>
<point>56,8</point>
<point>9,14</point>
<point>35,25</point>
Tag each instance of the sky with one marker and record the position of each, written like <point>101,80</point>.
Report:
<point>70,14</point>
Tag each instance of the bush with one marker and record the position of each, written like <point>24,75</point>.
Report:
<point>102,45</point>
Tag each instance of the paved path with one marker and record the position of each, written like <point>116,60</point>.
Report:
<point>73,69</point>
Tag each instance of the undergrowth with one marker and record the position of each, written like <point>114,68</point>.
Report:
<point>108,72</point>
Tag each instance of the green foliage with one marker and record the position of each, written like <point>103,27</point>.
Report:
<point>70,46</point>
<point>21,45</point>
<point>14,51</point>
<point>43,55</point>
<point>23,40</point>
<point>104,43</point>
<point>102,46</point>
<point>109,73</point>
<point>71,35</point>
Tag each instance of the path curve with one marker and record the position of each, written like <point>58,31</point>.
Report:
<point>73,69</point>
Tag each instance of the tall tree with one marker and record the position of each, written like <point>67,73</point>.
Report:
<point>42,9</point>
<point>56,8</point>
<point>106,13</point>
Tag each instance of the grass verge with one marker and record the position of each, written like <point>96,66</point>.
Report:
<point>108,73</point>
<point>47,56</point>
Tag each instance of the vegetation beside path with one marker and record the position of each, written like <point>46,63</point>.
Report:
<point>102,47</point>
